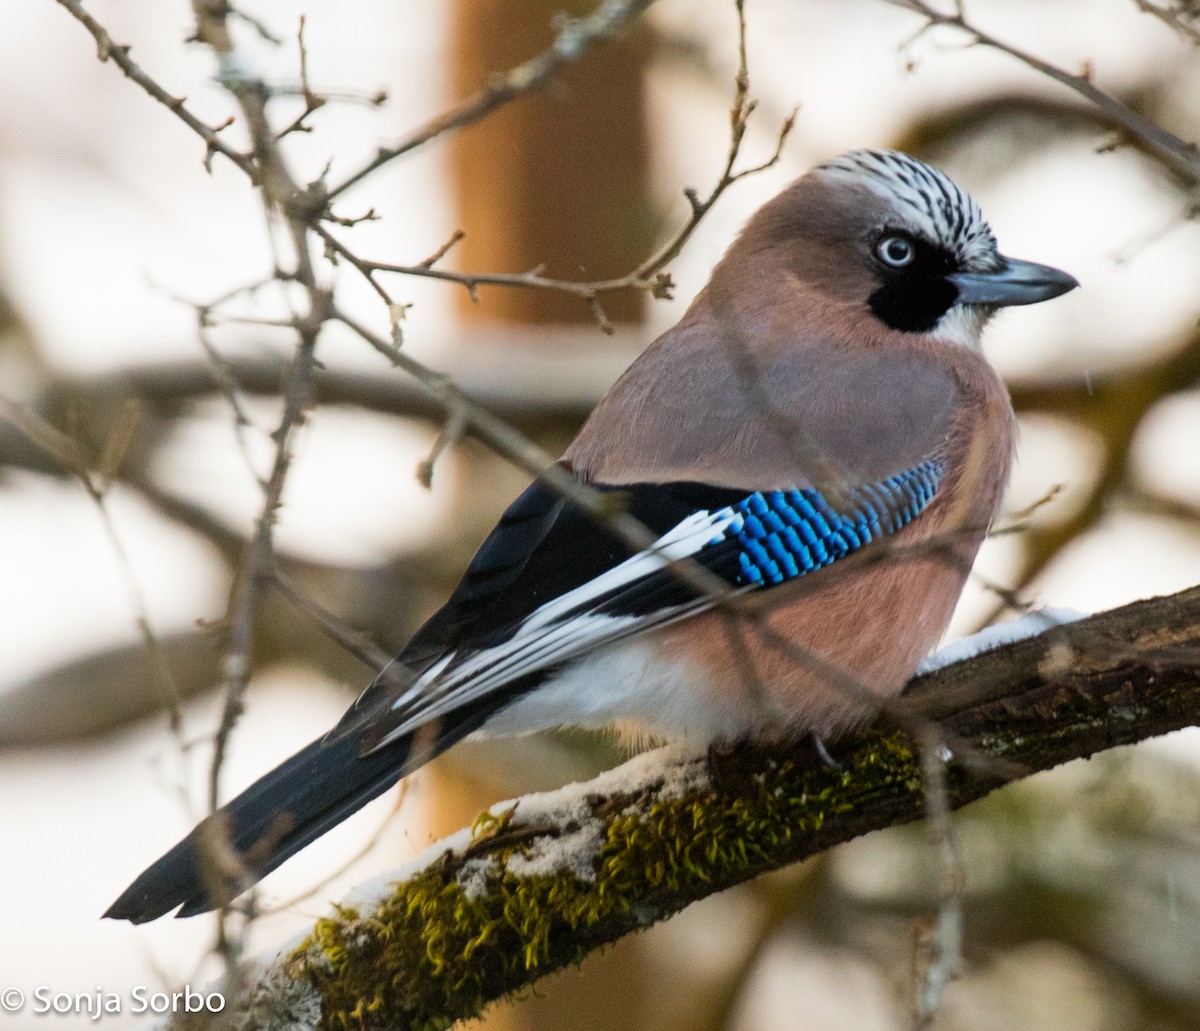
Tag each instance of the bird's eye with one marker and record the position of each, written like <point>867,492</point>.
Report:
<point>895,251</point>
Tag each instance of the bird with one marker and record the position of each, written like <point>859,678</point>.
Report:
<point>819,435</point>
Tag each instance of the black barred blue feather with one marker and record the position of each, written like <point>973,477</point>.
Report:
<point>784,534</point>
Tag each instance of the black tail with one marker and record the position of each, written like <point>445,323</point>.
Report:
<point>292,806</point>
<point>273,819</point>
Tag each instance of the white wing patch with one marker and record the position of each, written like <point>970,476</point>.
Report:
<point>559,629</point>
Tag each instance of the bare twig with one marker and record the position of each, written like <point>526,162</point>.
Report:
<point>295,207</point>
<point>938,948</point>
<point>442,251</point>
<point>257,563</point>
<point>1176,16</point>
<point>64,449</point>
<point>312,101</point>
<point>73,457</point>
<point>106,50</point>
<point>280,193</point>
<point>1181,157</point>
<point>356,644</point>
<point>260,27</point>
<point>449,435</point>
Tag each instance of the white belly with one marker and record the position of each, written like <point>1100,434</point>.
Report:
<point>632,685</point>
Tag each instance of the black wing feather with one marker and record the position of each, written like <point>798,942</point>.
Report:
<point>542,548</point>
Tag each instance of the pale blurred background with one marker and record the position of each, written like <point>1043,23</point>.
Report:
<point>1083,893</point>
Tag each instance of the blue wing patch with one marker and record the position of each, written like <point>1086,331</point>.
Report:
<point>786,533</point>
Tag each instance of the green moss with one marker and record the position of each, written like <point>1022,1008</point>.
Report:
<point>431,954</point>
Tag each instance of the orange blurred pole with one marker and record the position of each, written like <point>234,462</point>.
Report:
<point>556,178</point>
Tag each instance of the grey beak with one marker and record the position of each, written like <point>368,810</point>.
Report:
<point>1016,282</point>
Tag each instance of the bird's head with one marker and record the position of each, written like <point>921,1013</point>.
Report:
<point>884,234</point>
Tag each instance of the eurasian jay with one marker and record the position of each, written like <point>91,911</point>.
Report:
<point>823,398</point>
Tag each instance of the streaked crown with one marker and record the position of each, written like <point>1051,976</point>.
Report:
<point>930,203</point>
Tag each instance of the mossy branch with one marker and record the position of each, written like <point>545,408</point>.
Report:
<point>538,884</point>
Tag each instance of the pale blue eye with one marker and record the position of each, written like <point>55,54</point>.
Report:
<point>895,251</point>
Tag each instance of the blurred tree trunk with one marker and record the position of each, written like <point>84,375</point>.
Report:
<point>558,178</point>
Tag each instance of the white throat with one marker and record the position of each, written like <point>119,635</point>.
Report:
<point>962,326</point>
